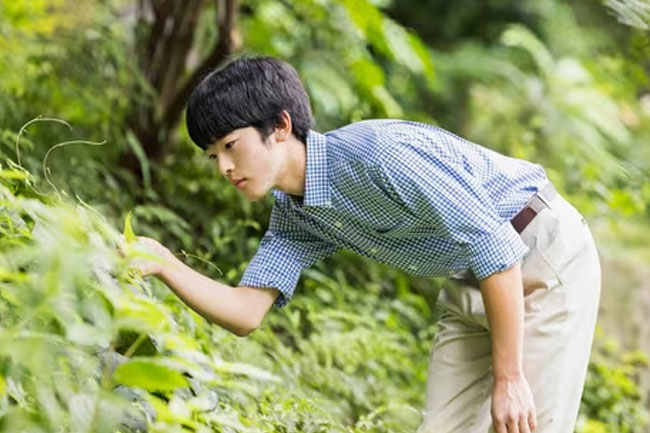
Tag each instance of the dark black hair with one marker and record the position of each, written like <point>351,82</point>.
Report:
<point>248,91</point>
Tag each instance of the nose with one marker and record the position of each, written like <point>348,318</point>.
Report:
<point>225,166</point>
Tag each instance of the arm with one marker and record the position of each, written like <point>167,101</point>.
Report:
<point>504,304</point>
<point>513,408</point>
<point>240,310</point>
<point>270,277</point>
<point>284,251</point>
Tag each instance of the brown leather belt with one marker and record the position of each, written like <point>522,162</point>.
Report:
<point>534,206</point>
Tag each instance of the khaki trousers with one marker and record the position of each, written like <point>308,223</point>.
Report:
<point>561,280</point>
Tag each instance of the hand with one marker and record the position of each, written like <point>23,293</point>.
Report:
<point>513,408</point>
<point>152,257</point>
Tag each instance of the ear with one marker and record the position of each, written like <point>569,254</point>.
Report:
<point>283,129</point>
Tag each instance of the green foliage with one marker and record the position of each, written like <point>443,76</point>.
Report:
<point>556,112</point>
<point>72,50</point>
<point>612,400</point>
<point>78,330</point>
<point>356,61</point>
<point>633,13</point>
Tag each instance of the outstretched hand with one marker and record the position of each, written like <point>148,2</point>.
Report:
<point>151,257</point>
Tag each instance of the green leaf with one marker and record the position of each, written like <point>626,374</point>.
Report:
<point>149,374</point>
<point>128,231</point>
<point>141,155</point>
<point>142,315</point>
<point>13,174</point>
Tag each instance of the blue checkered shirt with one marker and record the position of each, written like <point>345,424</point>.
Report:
<point>407,194</point>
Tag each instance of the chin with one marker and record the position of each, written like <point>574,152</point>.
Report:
<point>254,196</point>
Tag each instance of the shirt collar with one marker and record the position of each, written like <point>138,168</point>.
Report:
<point>317,186</point>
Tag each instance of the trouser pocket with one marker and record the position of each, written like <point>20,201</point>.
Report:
<point>562,238</point>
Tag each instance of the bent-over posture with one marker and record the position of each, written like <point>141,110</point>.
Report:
<point>514,339</point>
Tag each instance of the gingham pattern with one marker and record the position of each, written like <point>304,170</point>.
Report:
<point>403,193</point>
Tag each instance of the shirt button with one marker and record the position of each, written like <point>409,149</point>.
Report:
<point>413,267</point>
<point>374,250</point>
<point>338,224</point>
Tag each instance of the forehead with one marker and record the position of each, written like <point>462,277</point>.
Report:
<point>247,134</point>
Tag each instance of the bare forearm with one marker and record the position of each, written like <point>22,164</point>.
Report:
<point>503,298</point>
<point>218,303</point>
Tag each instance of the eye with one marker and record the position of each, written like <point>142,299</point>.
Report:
<point>230,144</point>
<point>212,156</point>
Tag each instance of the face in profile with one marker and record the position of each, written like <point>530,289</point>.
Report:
<point>248,162</point>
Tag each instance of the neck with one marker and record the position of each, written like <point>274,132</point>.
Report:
<point>292,176</point>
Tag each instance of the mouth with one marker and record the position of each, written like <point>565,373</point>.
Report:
<point>240,183</point>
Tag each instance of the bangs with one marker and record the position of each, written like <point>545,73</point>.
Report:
<point>207,118</point>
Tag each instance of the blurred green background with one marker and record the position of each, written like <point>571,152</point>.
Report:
<point>564,84</point>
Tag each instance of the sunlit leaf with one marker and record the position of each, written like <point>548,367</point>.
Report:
<point>129,236</point>
<point>13,174</point>
<point>149,374</point>
<point>140,315</point>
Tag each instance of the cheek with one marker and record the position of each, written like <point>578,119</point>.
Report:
<point>258,163</point>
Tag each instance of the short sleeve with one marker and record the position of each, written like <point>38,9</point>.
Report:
<point>449,196</point>
<point>284,251</point>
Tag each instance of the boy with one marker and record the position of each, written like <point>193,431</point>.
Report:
<point>513,346</point>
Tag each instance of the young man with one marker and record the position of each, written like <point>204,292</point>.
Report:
<point>514,341</point>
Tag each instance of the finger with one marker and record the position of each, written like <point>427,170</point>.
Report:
<point>500,427</point>
<point>532,420</point>
<point>513,425</point>
<point>523,425</point>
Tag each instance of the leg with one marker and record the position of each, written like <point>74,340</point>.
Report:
<point>459,375</point>
<point>561,282</point>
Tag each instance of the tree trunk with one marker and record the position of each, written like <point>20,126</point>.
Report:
<point>165,32</point>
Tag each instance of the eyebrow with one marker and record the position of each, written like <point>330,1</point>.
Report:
<point>217,145</point>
